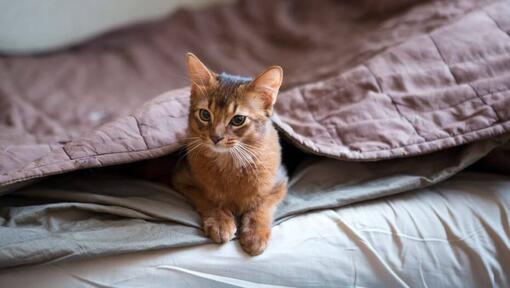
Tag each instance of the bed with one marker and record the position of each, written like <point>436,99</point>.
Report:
<point>454,234</point>
<point>395,126</point>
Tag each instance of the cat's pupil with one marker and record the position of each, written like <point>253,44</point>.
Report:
<point>238,120</point>
<point>204,115</point>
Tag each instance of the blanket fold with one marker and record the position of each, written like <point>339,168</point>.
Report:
<point>396,102</point>
<point>81,215</point>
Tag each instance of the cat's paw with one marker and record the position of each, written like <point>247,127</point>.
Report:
<point>254,241</point>
<point>220,228</point>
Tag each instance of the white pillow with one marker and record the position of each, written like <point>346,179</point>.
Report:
<point>34,26</point>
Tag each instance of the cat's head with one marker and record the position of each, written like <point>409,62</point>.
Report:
<point>230,112</point>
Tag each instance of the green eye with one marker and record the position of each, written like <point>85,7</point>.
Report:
<point>204,115</point>
<point>238,120</point>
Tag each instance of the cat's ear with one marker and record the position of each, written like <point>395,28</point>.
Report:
<point>267,84</point>
<point>200,76</point>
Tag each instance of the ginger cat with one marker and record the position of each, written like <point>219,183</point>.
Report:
<point>233,161</point>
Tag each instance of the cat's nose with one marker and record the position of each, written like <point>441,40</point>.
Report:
<point>215,138</point>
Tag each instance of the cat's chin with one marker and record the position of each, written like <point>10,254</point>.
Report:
<point>219,149</point>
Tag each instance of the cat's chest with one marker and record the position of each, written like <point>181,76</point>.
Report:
<point>233,182</point>
<point>234,188</point>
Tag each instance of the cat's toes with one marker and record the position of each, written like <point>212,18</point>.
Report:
<point>220,230</point>
<point>255,242</point>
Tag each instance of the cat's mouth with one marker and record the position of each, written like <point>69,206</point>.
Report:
<point>242,154</point>
<point>223,146</point>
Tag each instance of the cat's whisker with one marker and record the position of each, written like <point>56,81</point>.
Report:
<point>254,155</point>
<point>193,154</point>
<point>248,158</point>
<point>191,147</point>
<point>251,149</point>
<point>192,143</point>
<point>188,146</point>
<point>242,159</point>
<point>250,152</point>
<point>222,171</point>
<point>248,146</point>
<point>235,157</point>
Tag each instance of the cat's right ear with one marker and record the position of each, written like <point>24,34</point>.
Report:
<point>199,75</point>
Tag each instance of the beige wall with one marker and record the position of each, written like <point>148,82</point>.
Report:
<point>30,26</point>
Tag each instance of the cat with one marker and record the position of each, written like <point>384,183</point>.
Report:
<point>233,157</point>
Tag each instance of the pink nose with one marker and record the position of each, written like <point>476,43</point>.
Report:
<point>215,139</point>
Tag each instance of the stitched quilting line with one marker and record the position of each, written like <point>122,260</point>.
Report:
<point>67,153</point>
<point>22,95</point>
<point>450,136</point>
<point>442,139</point>
<point>183,96</point>
<point>457,82</point>
<point>379,86</point>
<point>498,119</point>
<point>106,154</point>
<point>289,135</point>
<point>300,92</point>
<point>140,131</point>
<point>495,22</point>
<point>161,149</point>
<point>506,33</point>
<point>427,142</point>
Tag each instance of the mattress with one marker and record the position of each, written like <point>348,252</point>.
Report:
<point>454,234</point>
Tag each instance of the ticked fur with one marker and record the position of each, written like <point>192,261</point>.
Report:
<point>233,170</point>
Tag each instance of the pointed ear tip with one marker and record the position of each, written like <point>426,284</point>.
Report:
<point>190,56</point>
<point>277,68</point>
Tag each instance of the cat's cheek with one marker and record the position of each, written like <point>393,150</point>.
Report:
<point>242,131</point>
<point>197,128</point>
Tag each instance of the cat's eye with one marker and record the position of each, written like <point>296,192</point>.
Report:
<point>238,120</point>
<point>204,115</point>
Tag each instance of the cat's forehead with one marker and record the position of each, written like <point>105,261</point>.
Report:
<point>227,92</point>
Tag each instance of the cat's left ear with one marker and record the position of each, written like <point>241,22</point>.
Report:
<point>267,84</point>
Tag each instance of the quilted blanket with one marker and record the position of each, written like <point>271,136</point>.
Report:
<point>427,82</point>
<point>358,87</point>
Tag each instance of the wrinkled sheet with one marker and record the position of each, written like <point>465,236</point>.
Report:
<point>454,234</point>
<point>428,77</point>
<point>424,88</point>
<point>89,214</point>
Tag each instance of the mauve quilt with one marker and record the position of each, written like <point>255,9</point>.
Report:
<point>358,87</point>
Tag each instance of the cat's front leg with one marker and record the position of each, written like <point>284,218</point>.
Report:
<point>256,224</point>
<point>256,230</point>
<point>219,225</point>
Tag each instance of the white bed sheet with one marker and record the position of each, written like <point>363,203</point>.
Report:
<point>454,234</point>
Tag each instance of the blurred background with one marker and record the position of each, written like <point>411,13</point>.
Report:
<point>32,26</point>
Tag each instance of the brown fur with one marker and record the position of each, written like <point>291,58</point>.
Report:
<point>220,184</point>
